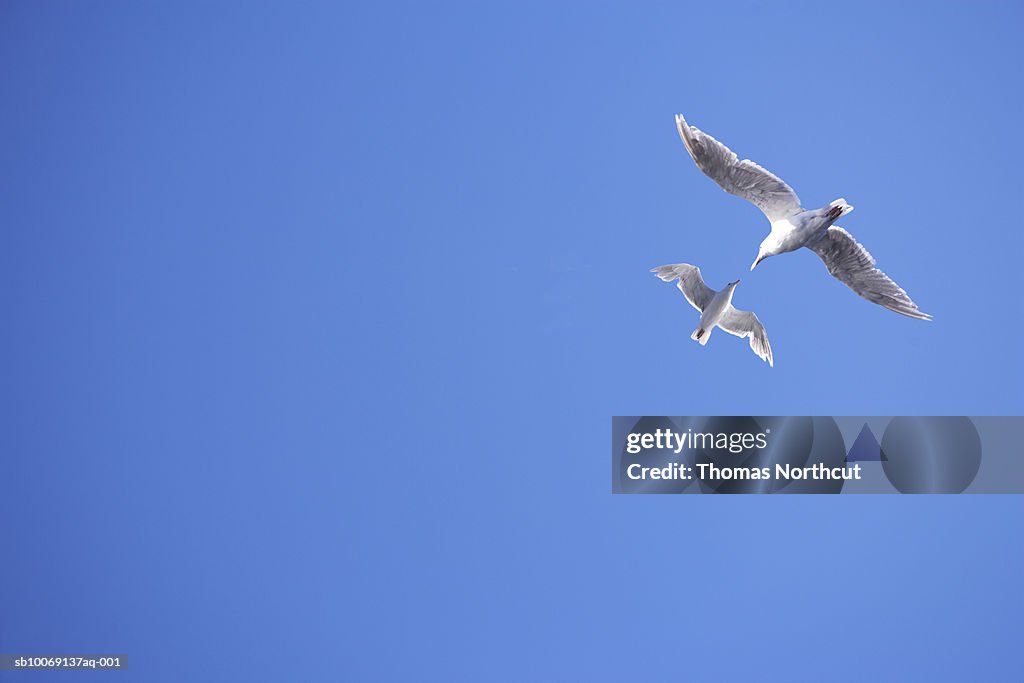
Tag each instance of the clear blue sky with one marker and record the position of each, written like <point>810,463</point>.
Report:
<point>316,316</point>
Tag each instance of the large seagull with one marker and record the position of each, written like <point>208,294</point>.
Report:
<point>793,226</point>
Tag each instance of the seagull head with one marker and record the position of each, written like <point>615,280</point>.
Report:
<point>769,247</point>
<point>734,283</point>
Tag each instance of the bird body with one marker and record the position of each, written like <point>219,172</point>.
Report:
<point>800,230</point>
<point>716,309</point>
<point>793,227</point>
<point>713,313</point>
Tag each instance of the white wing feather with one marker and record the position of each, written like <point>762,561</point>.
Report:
<point>742,178</point>
<point>746,324</point>
<point>850,263</point>
<point>691,284</point>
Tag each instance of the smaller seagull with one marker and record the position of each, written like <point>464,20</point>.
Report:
<point>716,309</point>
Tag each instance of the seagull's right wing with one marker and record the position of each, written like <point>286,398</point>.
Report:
<point>746,324</point>
<point>691,284</point>
<point>742,178</point>
<point>850,263</point>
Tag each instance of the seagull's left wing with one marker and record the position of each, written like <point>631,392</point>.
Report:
<point>691,284</point>
<point>850,263</point>
<point>746,324</point>
<point>742,178</point>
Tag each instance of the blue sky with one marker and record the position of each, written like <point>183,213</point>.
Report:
<point>317,315</point>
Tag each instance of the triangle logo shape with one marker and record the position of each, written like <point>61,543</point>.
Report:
<point>865,448</point>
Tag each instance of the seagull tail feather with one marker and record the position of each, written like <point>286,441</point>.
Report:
<point>838,209</point>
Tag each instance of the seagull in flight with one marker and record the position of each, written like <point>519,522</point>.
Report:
<point>793,226</point>
<point>716,309</point>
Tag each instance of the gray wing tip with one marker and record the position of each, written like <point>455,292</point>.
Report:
<point>766,348</point>
<point>672,271</point>
<point>916,314</point>
<point>762,349</point>
<point>664,273</point>
<point>903,307</point>
<point>686,135</point>
<point>907,308</point>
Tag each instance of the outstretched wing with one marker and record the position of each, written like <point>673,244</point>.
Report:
<point>746,324</point>
<point>742,178</point>
<point>850,263</point>
<point>691,284</point>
